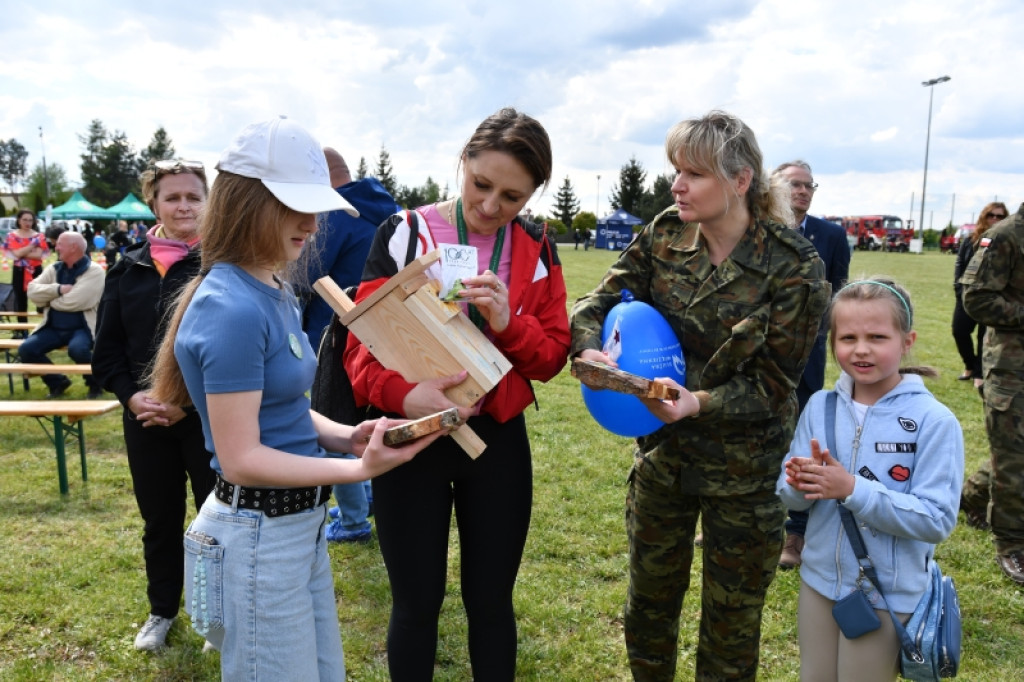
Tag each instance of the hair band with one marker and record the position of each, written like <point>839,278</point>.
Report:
<point>906,306</point>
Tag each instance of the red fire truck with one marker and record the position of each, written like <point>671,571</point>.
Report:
<point>878,232</point>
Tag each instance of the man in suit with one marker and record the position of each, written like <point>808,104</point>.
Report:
<point>830,241</point>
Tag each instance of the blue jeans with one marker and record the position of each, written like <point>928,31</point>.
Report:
<point>352,504</point>
<point>45,339</point>
<point>268,602</point>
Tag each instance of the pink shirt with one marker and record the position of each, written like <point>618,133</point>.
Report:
<point>446,233</point>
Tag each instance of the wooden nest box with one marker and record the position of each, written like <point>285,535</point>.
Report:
<point>409,329</point>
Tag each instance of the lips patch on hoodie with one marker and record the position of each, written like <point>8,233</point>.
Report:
<point>899,473</point>
<point>896,448</point>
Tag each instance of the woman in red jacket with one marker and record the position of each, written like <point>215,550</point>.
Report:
<point>519,303</point>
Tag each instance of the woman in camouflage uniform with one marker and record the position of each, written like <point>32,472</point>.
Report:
<point>745,295</point>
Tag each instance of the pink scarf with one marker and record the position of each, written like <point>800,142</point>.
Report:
<point>166,252</point>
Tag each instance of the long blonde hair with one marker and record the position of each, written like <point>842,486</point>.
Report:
<point>241,224</point>
<point>723,145</point>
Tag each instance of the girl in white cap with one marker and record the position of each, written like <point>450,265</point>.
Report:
<point>258,582</point>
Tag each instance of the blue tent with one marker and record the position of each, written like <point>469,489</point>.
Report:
<point>615,231</point>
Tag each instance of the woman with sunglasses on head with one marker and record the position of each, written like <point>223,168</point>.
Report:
<point>963,325</point>
<point>519,303</point>
<point>258,579</point>
<point>164,441</point>
<point>27,248</point>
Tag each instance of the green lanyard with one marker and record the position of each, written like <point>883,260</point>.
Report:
<point>499,242</point>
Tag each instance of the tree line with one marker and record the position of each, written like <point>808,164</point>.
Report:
<point>110,169</point>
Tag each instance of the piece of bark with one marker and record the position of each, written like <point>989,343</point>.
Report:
<point>417,428</point>
<point>598,375</point>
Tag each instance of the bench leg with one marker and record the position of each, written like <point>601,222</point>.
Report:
<point>58,443</point>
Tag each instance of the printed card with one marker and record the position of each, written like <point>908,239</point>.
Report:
<point>458,261</point>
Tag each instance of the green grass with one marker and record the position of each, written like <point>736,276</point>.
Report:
<point>72,588</point>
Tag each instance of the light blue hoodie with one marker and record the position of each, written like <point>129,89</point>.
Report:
<point>909,461</point>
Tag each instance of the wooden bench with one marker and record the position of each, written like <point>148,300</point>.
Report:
<point>17,326</point>
<point>66,418</point>
<point>38,369</point>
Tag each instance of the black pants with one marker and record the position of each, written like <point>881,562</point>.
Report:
<point>969,349</point>
<point>18,286</point>
<point>492,496</point>
<point>160,458</point>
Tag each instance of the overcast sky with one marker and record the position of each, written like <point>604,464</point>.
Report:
<point>835,83</point>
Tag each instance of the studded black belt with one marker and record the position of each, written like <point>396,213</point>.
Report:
<point>273,501</point>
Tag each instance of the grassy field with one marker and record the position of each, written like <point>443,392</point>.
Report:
<point>72,588</point>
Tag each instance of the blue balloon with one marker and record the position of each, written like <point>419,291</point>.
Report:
<point>98,241</point>
<point>648,347</point>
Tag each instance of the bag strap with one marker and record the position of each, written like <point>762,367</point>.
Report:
<point>867,568</point>
<point>414,232</point>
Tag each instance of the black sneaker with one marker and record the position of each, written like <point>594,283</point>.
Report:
<point>976,517</point>
<point>95,393</point>
<point>58,390</point>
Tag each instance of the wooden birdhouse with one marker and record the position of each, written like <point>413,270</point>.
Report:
<point>409,329</point>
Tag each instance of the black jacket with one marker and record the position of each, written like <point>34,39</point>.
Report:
<point>135,303</point>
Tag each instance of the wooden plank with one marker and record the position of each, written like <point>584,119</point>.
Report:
<point>334,295</point>
<point>73,410</point>
<point>18,326</point>
<point>22,313</point>
<point>423,426</point>
<point>10,344</point>
<point>409,272</point>
<point>40,368</point>
<point>598,375</point>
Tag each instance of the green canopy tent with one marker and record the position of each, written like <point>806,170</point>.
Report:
<point>78,207</point>
<point>130,208</point>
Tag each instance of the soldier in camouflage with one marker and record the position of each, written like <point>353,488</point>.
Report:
<point>993,294</point>
<point>744,295</point>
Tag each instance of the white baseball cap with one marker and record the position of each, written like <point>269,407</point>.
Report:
<point>289,162</point>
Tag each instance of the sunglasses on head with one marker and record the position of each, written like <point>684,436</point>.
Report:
<point>178,165</point>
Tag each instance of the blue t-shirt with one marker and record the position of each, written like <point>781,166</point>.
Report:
<point>239,334</point>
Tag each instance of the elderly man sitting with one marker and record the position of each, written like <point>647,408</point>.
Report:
<point>69,293</point>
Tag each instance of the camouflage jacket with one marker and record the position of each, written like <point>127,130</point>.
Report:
<point>746,327</point>
<point>993,292</point>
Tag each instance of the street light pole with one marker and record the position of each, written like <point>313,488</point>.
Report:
<point>597,202</point>
<point>46,176</point>
<point>927,141</point>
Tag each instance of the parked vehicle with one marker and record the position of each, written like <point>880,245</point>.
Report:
<point>875,232</point>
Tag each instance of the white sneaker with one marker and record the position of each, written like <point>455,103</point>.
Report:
<point>153,634</point>
<point>208,647</point>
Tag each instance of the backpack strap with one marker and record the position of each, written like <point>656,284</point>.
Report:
<point>414,233</point>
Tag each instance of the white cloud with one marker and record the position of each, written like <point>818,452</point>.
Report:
<point>834,83</point>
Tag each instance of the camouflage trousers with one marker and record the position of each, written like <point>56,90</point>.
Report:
<point>1004,421</point>
<point>743,537</point>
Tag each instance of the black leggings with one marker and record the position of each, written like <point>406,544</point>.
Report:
<point>968,347</point>
<point>492,496</point>
<point>18,285</point>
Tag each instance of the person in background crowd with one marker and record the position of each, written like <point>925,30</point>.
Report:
<point>744,295</point>
<point>829,240</point>
<point>27,249</point>
<point>68,292</point>
<point>993,294</point>
<point>164,441</point>
<point>339,251</point>
<point>258,579</point>
<point>963,324</point>
<point>518,301</point>
<point>117,243</point>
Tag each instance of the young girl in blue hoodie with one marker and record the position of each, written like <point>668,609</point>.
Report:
<point>898,468</point>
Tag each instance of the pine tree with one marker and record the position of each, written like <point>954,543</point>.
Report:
<point>629,191</point>
<point>160,147</point>
<point>657,199</point>
<point>361,171</point>
<point>566,204</point>
<point>384,174</point>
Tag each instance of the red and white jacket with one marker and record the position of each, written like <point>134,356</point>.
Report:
<point>536,340</point>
